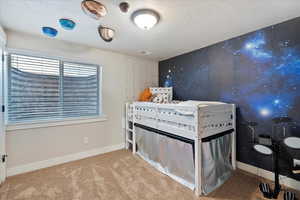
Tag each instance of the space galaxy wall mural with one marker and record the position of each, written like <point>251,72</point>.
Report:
<point>259,72</point>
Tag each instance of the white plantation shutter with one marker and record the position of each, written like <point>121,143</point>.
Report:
<point>46,89</point>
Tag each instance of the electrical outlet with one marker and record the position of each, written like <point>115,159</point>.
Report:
<point>296,162</point>
<point>85,140</point>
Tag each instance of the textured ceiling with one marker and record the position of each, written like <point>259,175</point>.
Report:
<point>185,25</point>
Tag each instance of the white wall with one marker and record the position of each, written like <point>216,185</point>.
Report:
<point>2,132</point>
<point>2,36</point>
<point>123,78</point>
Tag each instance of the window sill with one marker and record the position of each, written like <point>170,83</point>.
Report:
<point>32,125</point>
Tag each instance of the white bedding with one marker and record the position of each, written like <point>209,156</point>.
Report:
<point>195,104</point>
<point>199,103</point>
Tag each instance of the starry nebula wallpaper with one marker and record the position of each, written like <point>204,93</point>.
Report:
<point>259,72</point>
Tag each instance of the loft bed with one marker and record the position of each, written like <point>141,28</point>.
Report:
<point>182,139</point>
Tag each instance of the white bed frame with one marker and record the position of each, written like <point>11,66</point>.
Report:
<point>192,122</point>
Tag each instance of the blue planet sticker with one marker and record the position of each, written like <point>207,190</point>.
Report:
<point>49,31</point>
<point>67,24</point>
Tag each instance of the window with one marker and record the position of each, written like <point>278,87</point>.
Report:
<point>51,89</point>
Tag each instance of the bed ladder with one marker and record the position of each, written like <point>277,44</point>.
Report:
<point>129,126</point>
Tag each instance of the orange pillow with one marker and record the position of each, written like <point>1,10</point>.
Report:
<point>145,95</point>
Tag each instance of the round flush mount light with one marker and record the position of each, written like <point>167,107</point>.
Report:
<point>67,24</point>
<point>93,8</point>
<point>107,34</point>
<point>49,31</point>
<point>145,19</point>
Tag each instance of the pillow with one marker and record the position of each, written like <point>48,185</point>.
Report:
<point>166,98</point>
<point>160,98</point>
<point>156,98</point>
<point>145,95</point>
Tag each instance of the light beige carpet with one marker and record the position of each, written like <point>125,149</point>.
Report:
<point>114,176</point>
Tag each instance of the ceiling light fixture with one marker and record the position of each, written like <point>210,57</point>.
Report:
<point>93,8</point>
<point>145,18</point>
<point>107,34</point>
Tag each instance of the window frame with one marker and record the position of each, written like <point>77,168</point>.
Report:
<point>50,122</point>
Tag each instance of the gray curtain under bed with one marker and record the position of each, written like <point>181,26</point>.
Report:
<point>174,156</point>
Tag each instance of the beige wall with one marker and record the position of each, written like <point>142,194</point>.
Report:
<point>123,78</point>
<point>2,36</point>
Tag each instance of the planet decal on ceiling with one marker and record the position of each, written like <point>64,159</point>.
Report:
<point>67,24</point>
<point>49,31</point>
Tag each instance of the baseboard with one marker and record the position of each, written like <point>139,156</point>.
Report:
<point>288,182</point>
<point>60,160</point>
